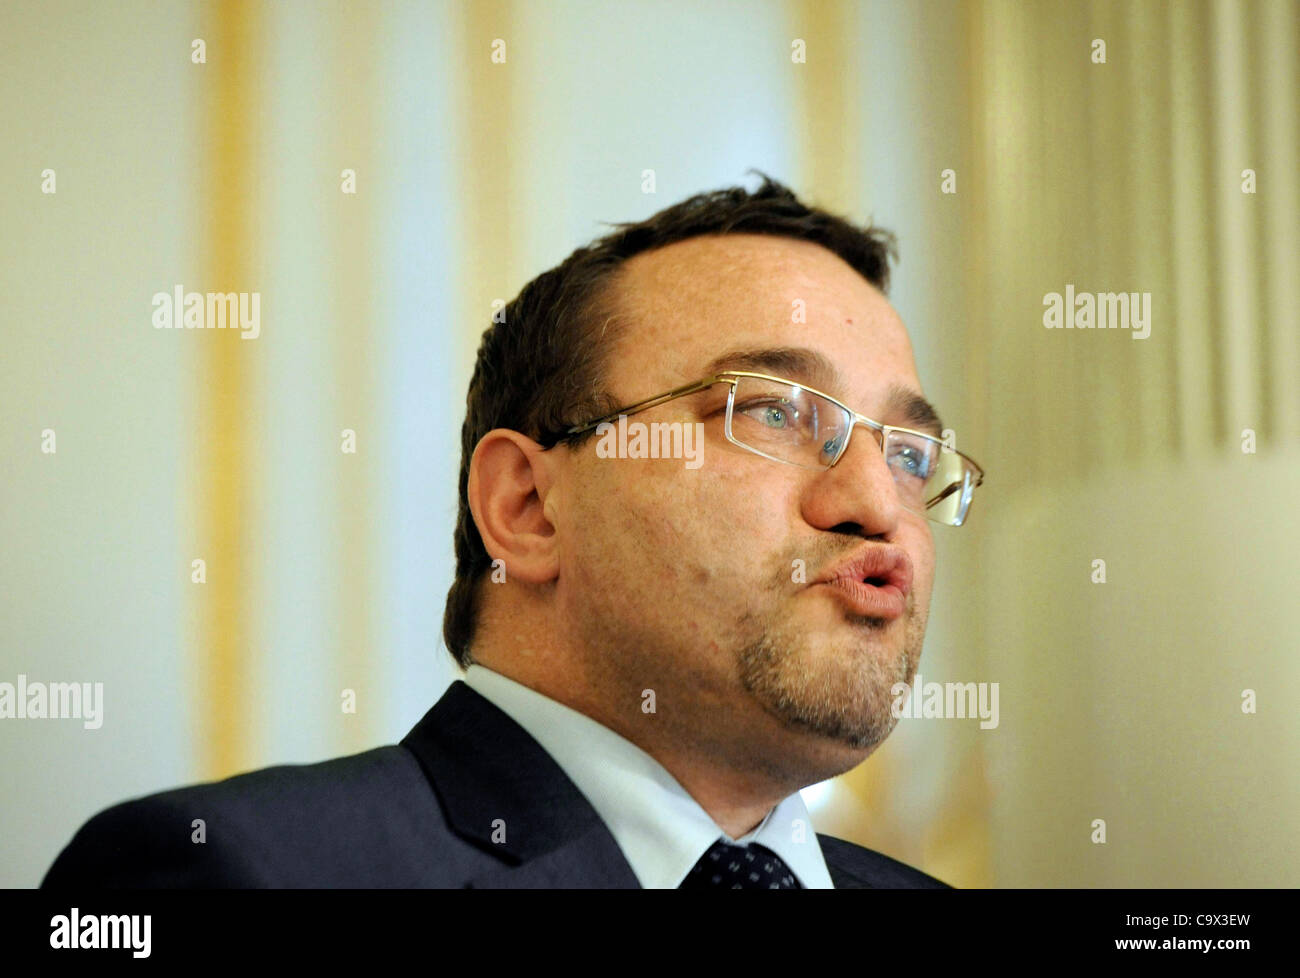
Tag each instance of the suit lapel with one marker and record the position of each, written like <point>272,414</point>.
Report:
<point>841,876</point>
<point>590,861</point>
<point>503,792</point>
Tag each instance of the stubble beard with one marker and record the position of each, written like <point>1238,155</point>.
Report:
<point>843,694</point>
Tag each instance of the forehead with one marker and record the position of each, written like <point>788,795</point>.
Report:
<point>689,303</point>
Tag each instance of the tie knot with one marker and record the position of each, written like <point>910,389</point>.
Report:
<point>726,866</point>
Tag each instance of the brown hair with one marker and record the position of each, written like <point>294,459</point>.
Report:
<point>539,370</point>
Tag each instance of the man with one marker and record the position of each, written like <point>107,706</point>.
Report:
<point>694,557</point>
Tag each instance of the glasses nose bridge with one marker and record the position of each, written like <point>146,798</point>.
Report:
<point>875,427</point>
<point>855,419</point>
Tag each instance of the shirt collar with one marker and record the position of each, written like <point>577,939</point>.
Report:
<point>661,829</point>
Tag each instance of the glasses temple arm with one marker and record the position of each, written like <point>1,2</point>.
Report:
<point>643,405</point>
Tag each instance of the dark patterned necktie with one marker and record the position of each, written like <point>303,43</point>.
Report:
<point>731,867</point>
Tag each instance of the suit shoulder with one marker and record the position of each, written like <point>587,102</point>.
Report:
<point>874,869</point>
<point>249,830</point>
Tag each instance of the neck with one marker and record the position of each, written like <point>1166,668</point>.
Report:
<point>709,750</point>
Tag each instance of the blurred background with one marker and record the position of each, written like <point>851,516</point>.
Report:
<point>1174,459</point>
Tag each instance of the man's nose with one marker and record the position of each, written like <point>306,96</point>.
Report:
<point>859,488</point>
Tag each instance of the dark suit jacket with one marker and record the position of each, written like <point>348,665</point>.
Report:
<point>418,814</point>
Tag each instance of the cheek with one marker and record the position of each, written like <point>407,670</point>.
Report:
<point>736,526</point>
<point>629,528</point>
<point>674,528</point>
<point>921,549</point>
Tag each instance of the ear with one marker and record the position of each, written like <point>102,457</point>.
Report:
<point>509,489</point>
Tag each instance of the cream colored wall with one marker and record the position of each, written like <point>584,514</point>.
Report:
<point>1128,176</point>
<point>1123,701</point>
<point>92,560</point>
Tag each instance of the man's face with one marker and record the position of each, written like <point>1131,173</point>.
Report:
<point>687,580</point>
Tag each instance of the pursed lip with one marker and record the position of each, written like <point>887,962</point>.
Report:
<point>875,582</point>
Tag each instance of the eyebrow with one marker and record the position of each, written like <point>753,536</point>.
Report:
<point>914,409</point>
<point>795,362</point>
<point>814,369</point>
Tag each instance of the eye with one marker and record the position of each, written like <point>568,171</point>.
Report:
<point>773,414</point>
<point>912,460</point>
<point>776,417</point>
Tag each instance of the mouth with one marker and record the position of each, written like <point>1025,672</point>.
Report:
<point>874,583</point>
<point>874,596</point>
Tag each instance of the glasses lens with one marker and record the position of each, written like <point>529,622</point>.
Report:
<point>933,480</point>
<point>786,422</point>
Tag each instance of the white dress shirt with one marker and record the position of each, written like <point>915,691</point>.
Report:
<point>661,829</point>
